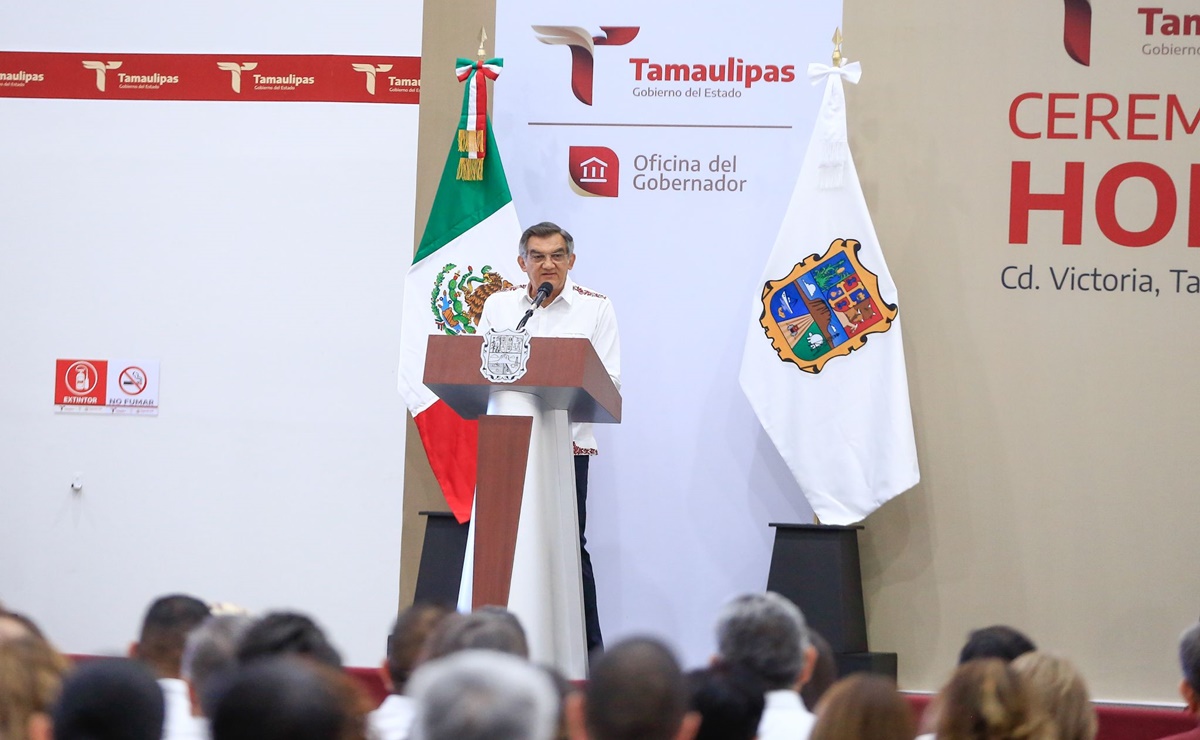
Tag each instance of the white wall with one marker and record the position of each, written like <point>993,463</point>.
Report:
<point>256,250</point>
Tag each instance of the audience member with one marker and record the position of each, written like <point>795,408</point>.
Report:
<point>210,650</point>
<point>864,706</point>
<point>286,697</point>
<point>17,625</point>
<point>393,719</point>
<point>160,646</point>
<point>824,672</point>
<point>564,690</point>
<point>997,641</point>
<point>31,674</point>
<point>986,700</point>
<point>766,635</point>
<point>482,695</point>
<point>729,701</point>
<point>1059,688</point>
<point>112,699</point>
<point>486,628</point>
<point>1189,687</point>
<point>287,633</point>
<point>636,692</point>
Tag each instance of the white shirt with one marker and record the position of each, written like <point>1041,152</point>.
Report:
<point>784,717</point>
<point>179,724</point>
<point>576,312</point>
<point>393,719</point>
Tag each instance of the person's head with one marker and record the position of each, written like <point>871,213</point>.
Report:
<point>864,706</point>
<point>636,690</point>
<point>546,253</point>
<point>486,628</point>
<point>729,701</point>
<point>1189,661</point>
<point>287,633</point>
<point>412,630</point>
<point>563,690</point>
<point>286,697</point>
<point>109,699</point>
<point>986,700</point>
<point>13,625</point>
<point>164,630</point>
<point>1058,687</point>
<point>997,641</point>
<point>31,673</point>
<point>211,649</point>
<point>824,671</point>
<point>482,695</point>
<point>766,635</point>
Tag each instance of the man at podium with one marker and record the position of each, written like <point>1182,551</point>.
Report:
<point>546,253</point>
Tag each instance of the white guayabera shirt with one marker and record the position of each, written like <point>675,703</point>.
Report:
<point>576,312</point>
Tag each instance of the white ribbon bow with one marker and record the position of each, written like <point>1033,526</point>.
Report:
<point>850,72</point>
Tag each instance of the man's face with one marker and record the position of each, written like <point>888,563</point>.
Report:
<point>546,261</point>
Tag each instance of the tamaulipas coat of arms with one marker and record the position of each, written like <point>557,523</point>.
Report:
<point>826,307</point>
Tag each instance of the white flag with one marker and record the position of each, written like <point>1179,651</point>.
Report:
<point>823,365</point>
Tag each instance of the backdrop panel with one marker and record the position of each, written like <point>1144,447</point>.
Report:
<point>673,180</point>
<point>1032,174</point>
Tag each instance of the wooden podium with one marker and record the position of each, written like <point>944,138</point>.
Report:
<point>525,529</point>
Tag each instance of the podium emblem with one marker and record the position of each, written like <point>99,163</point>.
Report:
<point>825,308</point>
<point>505,354</point>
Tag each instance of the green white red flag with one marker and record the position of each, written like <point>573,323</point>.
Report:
<point>470,238</point>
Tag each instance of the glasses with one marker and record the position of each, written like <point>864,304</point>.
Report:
<point>557,258</point>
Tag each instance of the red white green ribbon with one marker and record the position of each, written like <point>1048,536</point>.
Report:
<point>472,128</point>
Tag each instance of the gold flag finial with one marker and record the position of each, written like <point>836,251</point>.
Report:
<point>482,38</point>
<point>837,47</point>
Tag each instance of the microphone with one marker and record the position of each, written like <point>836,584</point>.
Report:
<point>543,292</point>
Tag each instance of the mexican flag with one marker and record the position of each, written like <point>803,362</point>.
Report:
<point>469,242</point>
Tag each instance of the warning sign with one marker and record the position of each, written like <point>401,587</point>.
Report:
<point>106,386</point>
<point>80,383</point>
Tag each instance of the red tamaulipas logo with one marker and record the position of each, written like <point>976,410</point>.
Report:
<point>595,170</point>
<point>1077,30</point>
<point>583,46</point>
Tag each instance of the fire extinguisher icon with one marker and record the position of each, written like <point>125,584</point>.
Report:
<point>82,383</point>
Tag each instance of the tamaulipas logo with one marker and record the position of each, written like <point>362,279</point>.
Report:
<point>370,70</point>
<point>824,308</point>
<point>1077,30</point>
<point>583,46</point>
<point>101,70</point>
<point>235,73</point>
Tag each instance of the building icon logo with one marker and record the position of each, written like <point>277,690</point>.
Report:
<point>594,170</point>
<point>101,71</point>
<point>583,47</point>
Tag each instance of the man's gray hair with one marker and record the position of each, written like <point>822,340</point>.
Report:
<point>543,230</point>
<point>765,634</point>
<point>483,695</point>
<point>486,628</point>
<point>1189,656</point>
<point>211,649</point>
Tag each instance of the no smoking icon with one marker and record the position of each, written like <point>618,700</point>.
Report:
<point>132,381</point>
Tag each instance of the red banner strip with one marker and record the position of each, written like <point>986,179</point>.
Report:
<point>301,78</point>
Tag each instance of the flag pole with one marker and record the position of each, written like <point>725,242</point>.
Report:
<point>836,62</point>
